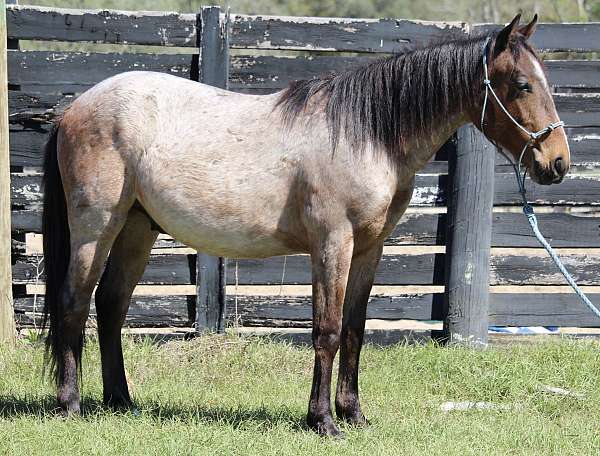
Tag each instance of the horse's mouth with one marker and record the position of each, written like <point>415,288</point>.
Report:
<point>543,177</point>
<point>544,174</point>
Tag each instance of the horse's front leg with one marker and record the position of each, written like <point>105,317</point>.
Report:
<point>330,267</point>
<point>360,282</point>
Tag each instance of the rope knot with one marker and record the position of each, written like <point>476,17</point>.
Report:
<point>528,209</point>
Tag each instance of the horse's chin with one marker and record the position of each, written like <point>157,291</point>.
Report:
<point>542,178</point>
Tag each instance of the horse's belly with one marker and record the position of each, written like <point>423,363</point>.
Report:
<point>232,243</point>
<point>223,225</point>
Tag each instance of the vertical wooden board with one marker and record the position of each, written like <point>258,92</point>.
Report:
<point>214,48</point>
<point>213,69</point>
<point>210,295</point>
<point>469,228</point>
<point>7,322</point>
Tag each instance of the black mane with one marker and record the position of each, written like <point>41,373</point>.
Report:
<point>394,99</point>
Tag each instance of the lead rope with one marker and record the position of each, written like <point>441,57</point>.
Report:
<point>527,208</point>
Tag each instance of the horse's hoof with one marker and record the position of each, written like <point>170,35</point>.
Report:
<point>69,411</point>
<point>356,419</point>
<point>119,402</point>
<point>326,428</point>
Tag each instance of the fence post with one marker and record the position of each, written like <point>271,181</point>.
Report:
<point>213,69</point>
<point>7,317</point>
<point>468,240</point>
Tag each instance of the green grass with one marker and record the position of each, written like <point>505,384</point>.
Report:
<point>226,395</point>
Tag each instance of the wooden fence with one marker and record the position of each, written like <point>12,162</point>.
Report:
<point>265,54</point>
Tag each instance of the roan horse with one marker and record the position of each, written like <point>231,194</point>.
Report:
<point>325,168</point>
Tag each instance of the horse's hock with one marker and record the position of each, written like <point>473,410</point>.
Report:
<point>524,287</point>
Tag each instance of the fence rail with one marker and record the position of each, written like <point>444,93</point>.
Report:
<point>524,287</point>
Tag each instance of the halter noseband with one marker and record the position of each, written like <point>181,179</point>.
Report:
<point>533,136</point>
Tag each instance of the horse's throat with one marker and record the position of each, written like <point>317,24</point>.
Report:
<point>420,150</point>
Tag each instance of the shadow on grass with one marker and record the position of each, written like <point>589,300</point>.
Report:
<point>46,407</point>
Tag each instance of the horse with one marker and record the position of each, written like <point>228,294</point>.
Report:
<point>325,167</point>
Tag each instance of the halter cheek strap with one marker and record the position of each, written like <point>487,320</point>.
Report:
<point>533,136</point>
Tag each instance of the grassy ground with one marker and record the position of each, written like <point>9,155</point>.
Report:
<point>226,395</point>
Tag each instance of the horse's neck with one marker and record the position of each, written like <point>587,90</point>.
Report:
<point>419,151</point>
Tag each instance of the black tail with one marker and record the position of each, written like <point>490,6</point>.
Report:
<point>57,250</point>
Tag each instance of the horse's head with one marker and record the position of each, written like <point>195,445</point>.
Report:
<point>516,76</point>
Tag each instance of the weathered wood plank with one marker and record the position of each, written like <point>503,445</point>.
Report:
<point>425,269</point>
<point>573,191</point>
<point>26,107</point>
<point>70,71</point>
<point>161,270</point>
<point>335,34</point>
<point>574,73</point>
<point>579,109</point>
<point>576,37</point>
<point>276,72</point>
<point>74,72</point>
<point>417,269</point>
<point>156,311</point>
<point>101,26</point>
<point>401,269</point>
<point>26,221</point>
<point>252,309</point>
<point>515,309</point>
<point>525,309</point>
<point>269,32</point>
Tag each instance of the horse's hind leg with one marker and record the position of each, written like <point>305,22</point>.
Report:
<point>125,266</point>
<point>89,249</point>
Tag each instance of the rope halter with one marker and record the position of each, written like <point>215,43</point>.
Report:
<point>533,136</point>
<point>527,208</point>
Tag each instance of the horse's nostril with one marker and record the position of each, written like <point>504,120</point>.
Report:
<point>559,166</point>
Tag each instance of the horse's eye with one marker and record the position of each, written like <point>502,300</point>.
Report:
<point>523,86</point>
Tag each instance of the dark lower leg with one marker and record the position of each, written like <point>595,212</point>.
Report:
<point>319,415</point>
<point>115,390</point>
<point>111,310</point>
<point>330,266</point>
<point>69,347</point>
<point>360,282</point>
<point>347,404</point>
<point>125,266</point>
<point>68,392</point>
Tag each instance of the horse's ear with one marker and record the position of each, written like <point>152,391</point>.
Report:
<point>529,29</point>
<point>503,38</point>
